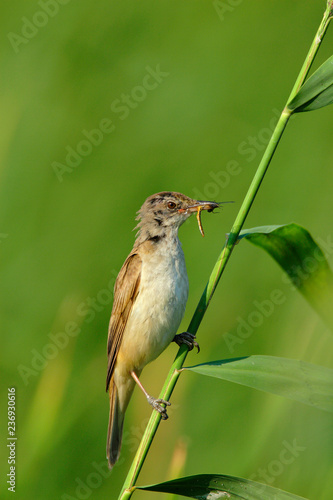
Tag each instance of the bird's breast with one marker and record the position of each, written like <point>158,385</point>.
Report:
<point>160,304</point>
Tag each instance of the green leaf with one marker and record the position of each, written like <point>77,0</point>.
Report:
<point>317,91</point>
<point>304,382</point>
<point>323,99</point>
<point>218,486</point>
<point>301,258</point>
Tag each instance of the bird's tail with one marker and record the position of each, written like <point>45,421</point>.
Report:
<point>115,429</point>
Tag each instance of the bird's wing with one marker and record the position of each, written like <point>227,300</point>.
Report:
<point>125,292</point>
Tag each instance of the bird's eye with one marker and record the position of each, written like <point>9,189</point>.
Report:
<point>171,205</point>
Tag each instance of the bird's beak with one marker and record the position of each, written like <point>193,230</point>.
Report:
<point>202,205</point>
<point>198,206</point>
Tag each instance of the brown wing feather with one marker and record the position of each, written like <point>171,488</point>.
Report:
<point>125,292</point>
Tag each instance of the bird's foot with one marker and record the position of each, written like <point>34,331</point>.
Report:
<point>157,405</point>
<point>187,339</point>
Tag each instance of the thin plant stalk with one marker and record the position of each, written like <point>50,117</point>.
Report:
<point>171,380</point>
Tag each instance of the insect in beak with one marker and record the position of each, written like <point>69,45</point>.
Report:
<point>198,206</point>
<point>199,220</point>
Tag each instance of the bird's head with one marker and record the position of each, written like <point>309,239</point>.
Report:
<point>163,213</point>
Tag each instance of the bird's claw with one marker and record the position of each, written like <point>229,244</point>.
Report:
<point>157,405</point>
<point>188,339</point>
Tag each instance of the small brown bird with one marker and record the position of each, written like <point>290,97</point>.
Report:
<point>150,296</point>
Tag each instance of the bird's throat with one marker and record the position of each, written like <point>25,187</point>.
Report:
<point>156,233</point>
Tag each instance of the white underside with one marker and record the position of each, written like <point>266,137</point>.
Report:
<point>159,306</point>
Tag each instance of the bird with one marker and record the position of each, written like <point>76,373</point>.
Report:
<point>150,296</point>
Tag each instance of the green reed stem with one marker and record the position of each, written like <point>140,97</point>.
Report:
<point>171,380</point>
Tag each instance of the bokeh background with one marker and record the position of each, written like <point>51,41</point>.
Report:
<point>185,94</point>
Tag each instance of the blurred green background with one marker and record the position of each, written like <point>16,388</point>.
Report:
<point>198,126</point>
